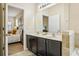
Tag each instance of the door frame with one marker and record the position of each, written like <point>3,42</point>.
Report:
<point>1,30</point>
<point>6,17</point>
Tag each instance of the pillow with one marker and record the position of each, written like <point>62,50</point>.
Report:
<point>14,31</point>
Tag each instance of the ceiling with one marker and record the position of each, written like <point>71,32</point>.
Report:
<point>12,11</point>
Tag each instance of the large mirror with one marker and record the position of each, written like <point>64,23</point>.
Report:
<point>47,20</point>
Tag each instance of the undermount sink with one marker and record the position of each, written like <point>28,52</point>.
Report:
<point>45,34</point>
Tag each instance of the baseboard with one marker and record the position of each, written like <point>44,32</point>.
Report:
<point>14,42</point>
<point>25,49</point>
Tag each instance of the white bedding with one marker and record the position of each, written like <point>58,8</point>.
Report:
<point>13,38</point>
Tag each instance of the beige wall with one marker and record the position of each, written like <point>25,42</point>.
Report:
<point>74,20</point>
<point>74,17</point>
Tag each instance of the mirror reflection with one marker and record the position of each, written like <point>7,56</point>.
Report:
<point>47,21</point>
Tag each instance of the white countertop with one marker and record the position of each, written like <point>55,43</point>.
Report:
<point>57,37</point>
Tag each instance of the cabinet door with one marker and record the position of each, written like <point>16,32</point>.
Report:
<point>41,47</point>
<point>28,42</point>
<point>53,48</point>
<point>32,44</point>
<point>21,37</point>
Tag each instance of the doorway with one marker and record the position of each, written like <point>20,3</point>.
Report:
<point>14,30</point>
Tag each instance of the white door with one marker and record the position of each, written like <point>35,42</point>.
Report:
<point>54,23</point>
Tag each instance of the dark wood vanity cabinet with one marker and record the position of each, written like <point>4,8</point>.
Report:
<point>44,47</point>
<point>32,44</point>
<point>54,48</point>
<point>28,41</point>
<point>41,47</point>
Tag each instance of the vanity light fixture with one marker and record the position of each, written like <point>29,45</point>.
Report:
<point>45,5</point>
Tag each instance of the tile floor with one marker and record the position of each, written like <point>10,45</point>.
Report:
<point>65,51</point>
<point>24,53</point>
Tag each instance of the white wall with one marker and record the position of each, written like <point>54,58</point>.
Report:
<point>11,21</point>
<point>38,22</point>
